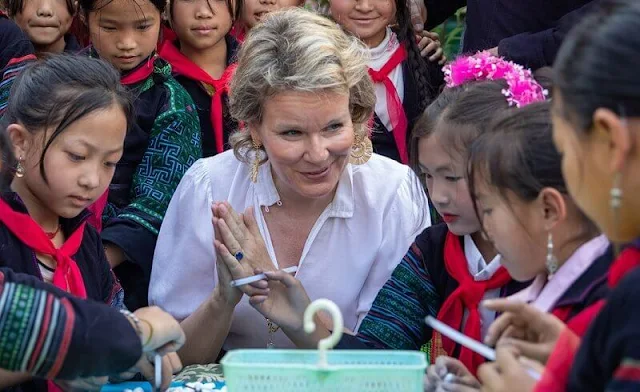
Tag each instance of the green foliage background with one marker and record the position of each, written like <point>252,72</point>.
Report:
<point>451,32</point>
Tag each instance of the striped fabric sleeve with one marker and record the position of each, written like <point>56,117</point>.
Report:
<point>53,335</point>
<point>12,70</point>
<point>35,329</point>
<point>396,318</point>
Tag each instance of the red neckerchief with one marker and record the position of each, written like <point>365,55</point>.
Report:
<point>467,296</point>
<point>67,275</point>
<point>180,64</point>
<point>397,116</point>
<point>139,74</point>
<point>558,368</point>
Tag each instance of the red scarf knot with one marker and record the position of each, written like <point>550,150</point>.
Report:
<point>466,297</point>
<point>67,275</point>
<point>180,64</point>
<point>397,116</point>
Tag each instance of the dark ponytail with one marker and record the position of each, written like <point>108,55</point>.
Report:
<point>597,66</point>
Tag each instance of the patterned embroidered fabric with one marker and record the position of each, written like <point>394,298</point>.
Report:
<point>23,308</point>
<point>396,319</point>
<point>174,145</point>
<point>163,142</point>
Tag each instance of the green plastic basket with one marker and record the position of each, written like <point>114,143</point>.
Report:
<point>348,370</point>
<point>272,370</point>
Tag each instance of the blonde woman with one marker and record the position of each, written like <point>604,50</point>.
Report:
<point>312,193</point>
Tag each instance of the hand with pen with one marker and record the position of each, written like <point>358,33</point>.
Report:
<point>450,375</point>
<point>525,337</point>
<point>279,296</point>
<point>240,251</point>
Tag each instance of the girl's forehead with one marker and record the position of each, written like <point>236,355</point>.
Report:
<point>435,157</point>
<point>126,10</point>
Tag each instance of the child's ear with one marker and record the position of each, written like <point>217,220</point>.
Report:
<point>554,207</point>
<point>21,140</point>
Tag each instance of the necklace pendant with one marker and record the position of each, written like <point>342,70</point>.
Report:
<point>270,345</point>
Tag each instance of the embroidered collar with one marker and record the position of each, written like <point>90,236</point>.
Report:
<point>384,51</point>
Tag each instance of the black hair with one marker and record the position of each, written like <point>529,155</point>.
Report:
<point>60,90</point>
<point>468,108</point>
<point>92,5</point>
<point>517,154</point>
<point>596,66</point>
<point>7,160</point>
<point>15,7</point>
<point>427,84</point>
<point>234,11</point>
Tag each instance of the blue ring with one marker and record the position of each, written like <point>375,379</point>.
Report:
<point>239,255</point>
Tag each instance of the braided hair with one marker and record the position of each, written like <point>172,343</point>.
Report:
<point>428,76</point>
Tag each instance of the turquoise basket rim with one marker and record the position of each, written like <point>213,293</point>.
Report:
<point>230,361</point>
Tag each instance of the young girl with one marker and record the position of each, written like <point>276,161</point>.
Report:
<point>253,11</point>
<point>201,59</point>
<point>527,213</point>
<point>448,270</point>
<point>47,23</point>
<point>66,149</point>
<point>521,198</point>
<point>405,82</point>
<point>161,145</point>
<point>596,124</point>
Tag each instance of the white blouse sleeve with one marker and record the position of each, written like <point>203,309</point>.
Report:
<point>405,217</point>
<point>184,264</point>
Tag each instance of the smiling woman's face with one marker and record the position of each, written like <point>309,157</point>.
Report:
<point>308,139</point>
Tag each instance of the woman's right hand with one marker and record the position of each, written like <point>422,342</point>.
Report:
<point>450,375</point>
<point>285,301</point>
<point>532,332</point>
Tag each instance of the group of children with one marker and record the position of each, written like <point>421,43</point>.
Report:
<point>97,156</point>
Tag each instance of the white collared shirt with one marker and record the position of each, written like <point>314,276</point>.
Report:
<point>349,255</point>
<point>378,57</point>
<point>480,271</point>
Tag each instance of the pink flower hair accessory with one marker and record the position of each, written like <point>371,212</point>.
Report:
<point>522,89</point>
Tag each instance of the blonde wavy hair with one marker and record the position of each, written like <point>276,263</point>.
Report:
<point>297,50</point>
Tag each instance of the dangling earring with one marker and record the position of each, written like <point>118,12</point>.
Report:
<point>552,260</point>
<point>19,168</point>
<point>361,150</point>
<point>615,202</point>
<point>256,162</point>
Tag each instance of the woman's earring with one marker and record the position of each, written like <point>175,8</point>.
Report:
<point>361,150</point>
<point>552,260</point>
<point>256,162</point>
<point>19,168</point>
